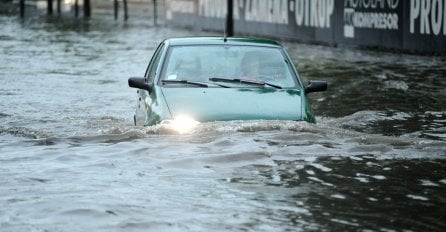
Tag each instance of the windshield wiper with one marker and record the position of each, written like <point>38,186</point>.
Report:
<point>245,81</point>
<point>186,82</point>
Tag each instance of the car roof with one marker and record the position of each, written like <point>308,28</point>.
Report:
<point>250,41</point>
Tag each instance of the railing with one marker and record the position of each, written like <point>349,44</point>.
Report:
<point>85,6</point>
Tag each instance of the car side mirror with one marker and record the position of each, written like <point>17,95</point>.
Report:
<point>316,86</point>
<point>139,83</point>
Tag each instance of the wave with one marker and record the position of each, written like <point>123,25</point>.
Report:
<point>24,132</point>
<point>330,136</point>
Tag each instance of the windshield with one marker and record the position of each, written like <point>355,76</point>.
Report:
<point>210,63</point>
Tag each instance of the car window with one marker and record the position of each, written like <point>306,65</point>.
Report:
<point>153,64</point>
<point>201,62</point>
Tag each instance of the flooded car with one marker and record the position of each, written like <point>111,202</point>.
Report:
<point>203,79</point>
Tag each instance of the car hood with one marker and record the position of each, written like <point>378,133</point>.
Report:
<point>223,104</point>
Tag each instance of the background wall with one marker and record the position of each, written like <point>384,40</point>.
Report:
<point>410,25</point>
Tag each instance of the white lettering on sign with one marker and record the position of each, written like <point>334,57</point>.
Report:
<point>431,15</point>
<point>267,11</point>
<point>313,13</point>
<point>217,8</point>
<point>308,13</point>
<point>371,4</point>
<point>349,30</point>
<point>375,20</point>
<point>363,14</point>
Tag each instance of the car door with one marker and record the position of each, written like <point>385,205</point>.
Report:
<point>143,109</point>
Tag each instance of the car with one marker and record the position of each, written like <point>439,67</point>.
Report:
<point>203,79</point>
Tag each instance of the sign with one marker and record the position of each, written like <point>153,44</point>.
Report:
<point>413,25</point>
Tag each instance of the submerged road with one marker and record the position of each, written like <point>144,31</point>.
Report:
<point>72,161</point>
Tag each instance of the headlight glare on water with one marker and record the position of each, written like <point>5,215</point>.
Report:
<point>182,124</point>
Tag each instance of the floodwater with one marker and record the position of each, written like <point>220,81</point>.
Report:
<point>70,159</point>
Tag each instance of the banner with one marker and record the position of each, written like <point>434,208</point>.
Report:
<point>411,25</point>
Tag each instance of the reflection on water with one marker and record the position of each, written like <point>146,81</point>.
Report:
<point>72,161</point>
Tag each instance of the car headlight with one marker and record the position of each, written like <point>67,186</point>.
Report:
<point>182,124</point>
